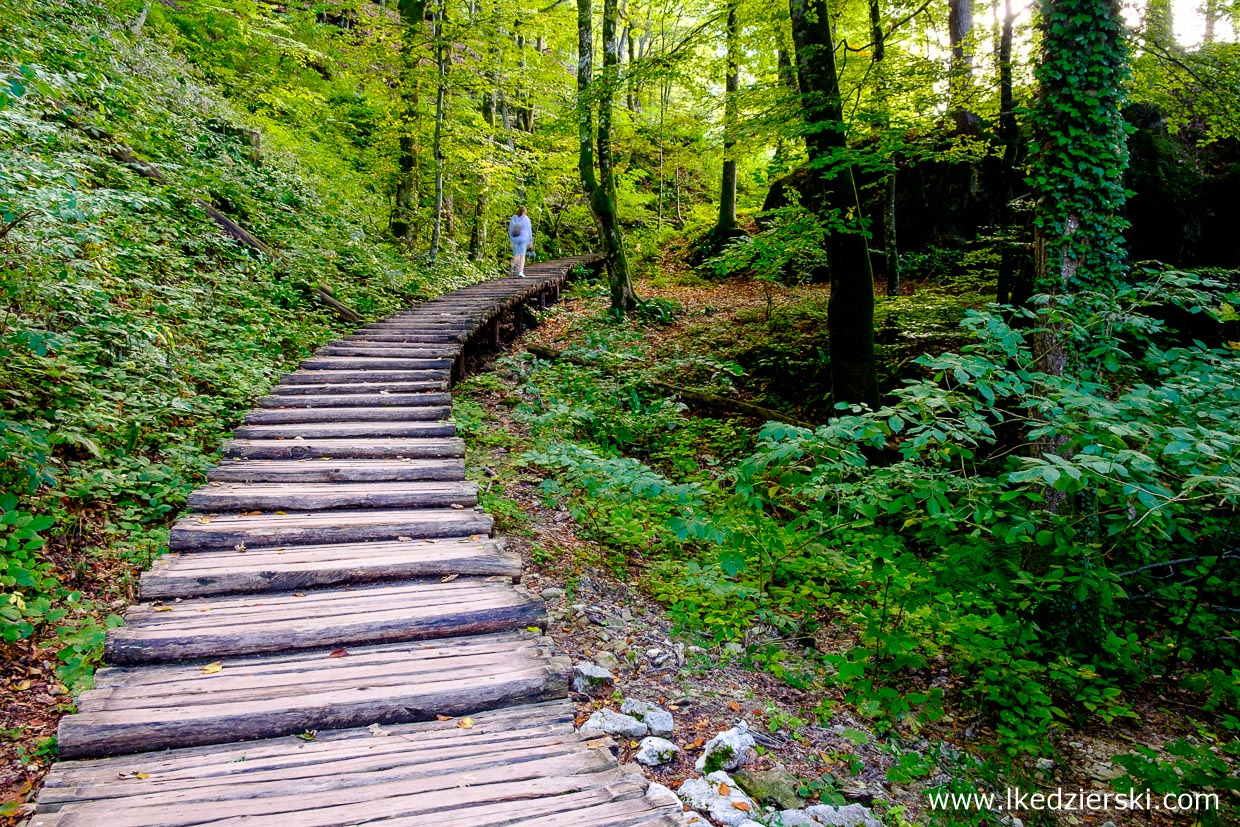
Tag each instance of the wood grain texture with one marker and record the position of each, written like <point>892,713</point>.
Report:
<point>346,429</point>
<point>220,627</point>
<point>436,379</point>
<point>206,531</point>
<point>138,709</point>
<point>300,471</point>
<point>292,568</point>
<point>375,448</point>
<point>410,413</point>
<point>219,497</point>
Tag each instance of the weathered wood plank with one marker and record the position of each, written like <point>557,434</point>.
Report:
<point>273,416</point>
<point>292,568</point>
<point>397,351</point>
<point>374,363</point>
<point>321,496</point>
<point>337,377</point>
<point>263,697</point>
<point>346,430</point>
<point>195,532</point>
<point>302,471</point>
<point>361,396</point>
<point>219,627</point>
<point>377,448</point>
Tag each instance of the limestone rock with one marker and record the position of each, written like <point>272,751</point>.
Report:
<point>726,751</point>
<point>850,815</point>
<point>776,787</point>
<point>653,752</point>
<point>607,660</point>
<point>552,593</point>
<point>613,723</point>
<point>656,717</point>
<point>691,818</point>
<point>662,796</point>
<point>717,795</point>
<point>793,818</point>
<point>589,678</point>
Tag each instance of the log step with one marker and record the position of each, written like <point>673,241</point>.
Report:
<point>394,414</point>
<point>389,448</point>
<point>374,363</point>
<point>356,396</point>
<point>137,709</point>
<point>321,496</point>
<point>346,430</point>
<point>395,351</point>
<point>301,471</point>
<point>219,627</point>
<point>524,764</point>
<point>196,532</point>
<point>425,338</point>
<point>433,379</point>
<point>291,568</point>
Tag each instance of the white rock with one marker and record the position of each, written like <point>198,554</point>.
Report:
<point>657,718</point>
<point>850,815</point>
<point>662,796</point>
<point>613,723</point>
<point>749,822</point>
<point>793,818</point>
<point>704,794</point>
<point>589,678</point>
<point>694,819</point>
<point>730,744</point>
<point>653,752</point>
<point>607,661</point>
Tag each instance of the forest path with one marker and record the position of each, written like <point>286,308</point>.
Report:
<point>331,611</point>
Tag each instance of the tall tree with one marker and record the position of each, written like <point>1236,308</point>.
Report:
<point>441,92</point>
<point>727,188</point>
<point>412,13</point>
<point>832,192</point>
<point>1078,162</point>
<point>600,190</point>
<point>960,81</point>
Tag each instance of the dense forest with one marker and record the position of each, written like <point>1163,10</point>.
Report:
<point>911,380</point>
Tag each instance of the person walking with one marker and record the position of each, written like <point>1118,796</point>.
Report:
<point>521,234</point>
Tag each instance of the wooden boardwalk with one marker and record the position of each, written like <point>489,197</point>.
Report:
<point>336,637</point>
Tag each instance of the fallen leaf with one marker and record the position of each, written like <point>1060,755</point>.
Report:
<point>533,629</point>
<point>465,723</point>
<point>212,668</point>
<point>448,578</point>
<point>742,806</point>
<point>632,745</point>
<point>240,548</point>
<point>698,743</point>
<point>339,653</point>
<point>129,776</point>
<point>734,706</point>
<point>457,506</point>
<point>281,512</point>
<point>250,513</point>
<point>724,789</point>
<point>598,742</point>
<point>443,717</point>
<point>204,520</point>
<point>299,594</point>
<point>163,608</point>
<point>309,735</point>
<point>21,686</point>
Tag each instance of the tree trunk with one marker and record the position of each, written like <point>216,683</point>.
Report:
<point>1213,13</point>
<point>441,91</point>
<point>727,188</point>
<point>833,191</point>
<point>600,191</point>
<point>478,232</point>
<point>960,81</point>
<point>401,222</point>
<point>1158,25</point>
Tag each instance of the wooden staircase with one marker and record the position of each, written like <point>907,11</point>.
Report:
<point>336,637</point>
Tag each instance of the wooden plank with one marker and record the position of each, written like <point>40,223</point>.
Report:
<point>292,568</point>
<point>196,532</point>
<point>425,338</point>
<point>336,377</point>
<point>339,470</point>
<point>389,350</point>
<point>319,496</point>
<point>374,363</point>
<point>385,448</point>
<point>157,707</point>
<point>346,430</point>
<point>363,396</point>
<point>219,627</point>
<point>391,414</point>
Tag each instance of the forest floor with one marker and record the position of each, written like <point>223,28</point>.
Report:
<point>596,609</point>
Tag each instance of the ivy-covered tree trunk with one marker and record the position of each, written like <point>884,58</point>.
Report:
<point>833,194</point>
<point>727,187</point>
<point>600,190</point>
